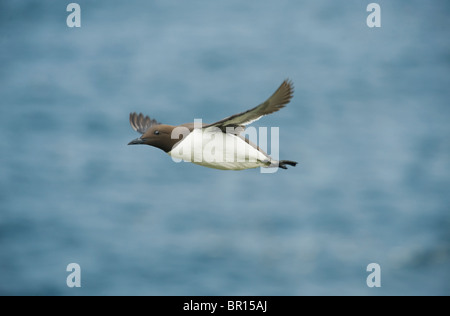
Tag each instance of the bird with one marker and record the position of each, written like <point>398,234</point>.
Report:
<point>219,145</point>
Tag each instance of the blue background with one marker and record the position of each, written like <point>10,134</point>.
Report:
<point>369,124</point>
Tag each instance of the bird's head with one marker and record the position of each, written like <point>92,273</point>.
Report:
<point>153,133</point>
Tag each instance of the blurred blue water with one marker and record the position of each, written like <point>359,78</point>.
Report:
<point>369,123</point>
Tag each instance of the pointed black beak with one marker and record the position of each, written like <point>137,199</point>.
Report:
<point>137,141</point>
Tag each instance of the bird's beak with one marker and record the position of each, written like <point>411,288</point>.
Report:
<point>137,141</point>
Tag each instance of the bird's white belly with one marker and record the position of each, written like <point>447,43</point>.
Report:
<point>214,149</point>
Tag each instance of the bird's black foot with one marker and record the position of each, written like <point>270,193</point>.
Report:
<point>282,163</point>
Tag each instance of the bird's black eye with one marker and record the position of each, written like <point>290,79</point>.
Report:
<point>156,133</point>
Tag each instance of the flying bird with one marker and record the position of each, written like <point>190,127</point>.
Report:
<point>218,145</point>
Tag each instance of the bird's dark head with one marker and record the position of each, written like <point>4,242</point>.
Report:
<point>153,133</point>
<point>159,136</point>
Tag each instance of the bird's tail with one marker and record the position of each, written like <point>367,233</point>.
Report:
<point>282,163</point>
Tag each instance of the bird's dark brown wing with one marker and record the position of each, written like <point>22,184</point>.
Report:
<point>141,123</point>
<point>278,100</point>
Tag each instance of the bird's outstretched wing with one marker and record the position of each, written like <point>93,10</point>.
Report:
<point>141,123</point>
<point>278,100</point>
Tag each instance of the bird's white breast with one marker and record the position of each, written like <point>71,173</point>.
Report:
<point>212,148</point>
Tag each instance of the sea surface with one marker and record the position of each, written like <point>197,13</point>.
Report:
<point>369,125</point>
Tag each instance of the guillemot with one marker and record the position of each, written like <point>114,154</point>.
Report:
<point>218,145</point>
